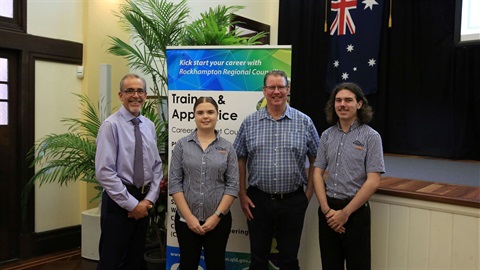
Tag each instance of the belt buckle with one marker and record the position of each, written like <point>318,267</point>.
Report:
<point>276,196</point>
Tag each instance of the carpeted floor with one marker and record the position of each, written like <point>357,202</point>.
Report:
<point>69,260</point>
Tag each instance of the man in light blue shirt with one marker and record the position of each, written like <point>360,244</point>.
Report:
<point>274,144</point>
<point>124,205</point>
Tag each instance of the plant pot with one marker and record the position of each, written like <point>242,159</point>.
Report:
<point>90,233</point>
<point>155,260</point>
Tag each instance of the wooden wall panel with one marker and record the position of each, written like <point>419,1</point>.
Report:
<point>465,252</point>
<point>412,234</point>
<point>418,238</point>
<point>398,237</point>
<point>441,240</point>
<point>380,229</point>
<point>415,234</point>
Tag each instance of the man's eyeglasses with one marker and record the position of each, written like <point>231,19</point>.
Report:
<point>273,88</point>
<point>131,92</point>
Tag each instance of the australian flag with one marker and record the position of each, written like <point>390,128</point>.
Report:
<point>355,27</point>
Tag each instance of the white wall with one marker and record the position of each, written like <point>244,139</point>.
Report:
<point>55,207</point>
<point>55,19</point>
<point>71,20</point>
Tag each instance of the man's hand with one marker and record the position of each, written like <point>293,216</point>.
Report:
<point>246,203</point>
<point>141,210</point>
<point>336,219</point>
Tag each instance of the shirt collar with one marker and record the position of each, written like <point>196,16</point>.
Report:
<point>353,126</point>
<point>193,136</point>
<point>128,115</point>
<point>264,113</point>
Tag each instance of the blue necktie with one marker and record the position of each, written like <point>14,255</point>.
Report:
<point>138,176</point>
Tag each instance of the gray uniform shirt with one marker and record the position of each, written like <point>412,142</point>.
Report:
<point>348,157</point>
<point>203,176</point>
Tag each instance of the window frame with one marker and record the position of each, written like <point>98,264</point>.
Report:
<point>18,22</point>
<point>458,26</point>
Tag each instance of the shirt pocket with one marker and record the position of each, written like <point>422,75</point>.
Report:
<point>294,141</point>
<point>359,151</point>
<point>253,144</point>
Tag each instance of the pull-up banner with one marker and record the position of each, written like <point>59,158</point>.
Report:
<point>233,76</point>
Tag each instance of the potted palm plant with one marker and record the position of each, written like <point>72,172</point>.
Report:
<point>153,25</point>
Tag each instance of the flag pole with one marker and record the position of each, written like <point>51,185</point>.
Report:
<point>390,16</point>
<point>326,12</point>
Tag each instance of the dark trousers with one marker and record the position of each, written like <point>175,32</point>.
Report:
<point>353,246</point>
<point>279,217</point>
<point>213,242</point>
<point>122,241</point>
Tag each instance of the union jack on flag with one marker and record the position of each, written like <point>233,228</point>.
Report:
<point>343,18</point>
<point>355,27</point>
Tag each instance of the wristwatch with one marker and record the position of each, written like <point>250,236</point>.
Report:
<point>219,214</point>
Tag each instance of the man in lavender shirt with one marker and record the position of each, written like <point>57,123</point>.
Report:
<point>124,205</point>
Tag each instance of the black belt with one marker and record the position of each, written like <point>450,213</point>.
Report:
<point>338,203</point>
<point>278,196</point>
<point>141,190</point>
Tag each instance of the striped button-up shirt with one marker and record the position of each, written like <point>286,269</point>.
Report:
<point>276,150</point>
<point>348,157</point>
<point>203,176</point>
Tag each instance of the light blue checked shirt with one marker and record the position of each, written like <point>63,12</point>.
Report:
<point>349,157</point>
<point>277,150</point>
<point>203,176</point>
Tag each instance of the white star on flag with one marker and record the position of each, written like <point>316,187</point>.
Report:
<point>369,4</point>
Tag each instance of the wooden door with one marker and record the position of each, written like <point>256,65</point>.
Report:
<point>9,159</point>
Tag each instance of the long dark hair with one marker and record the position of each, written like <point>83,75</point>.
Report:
<point>364,114</point>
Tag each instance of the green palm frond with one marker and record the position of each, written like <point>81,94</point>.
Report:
<point>150,110</point>
<point>90,121</point>
<point>213,28</point>
<point>154,25</point>
<point>68,157</point>
<point>64,158</point>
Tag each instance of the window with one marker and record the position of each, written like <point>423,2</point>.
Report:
<point>3,91</point>
<point>248,28</point>
<point>467,21</point>
<point>12,15</point>
<point>6,8</point>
